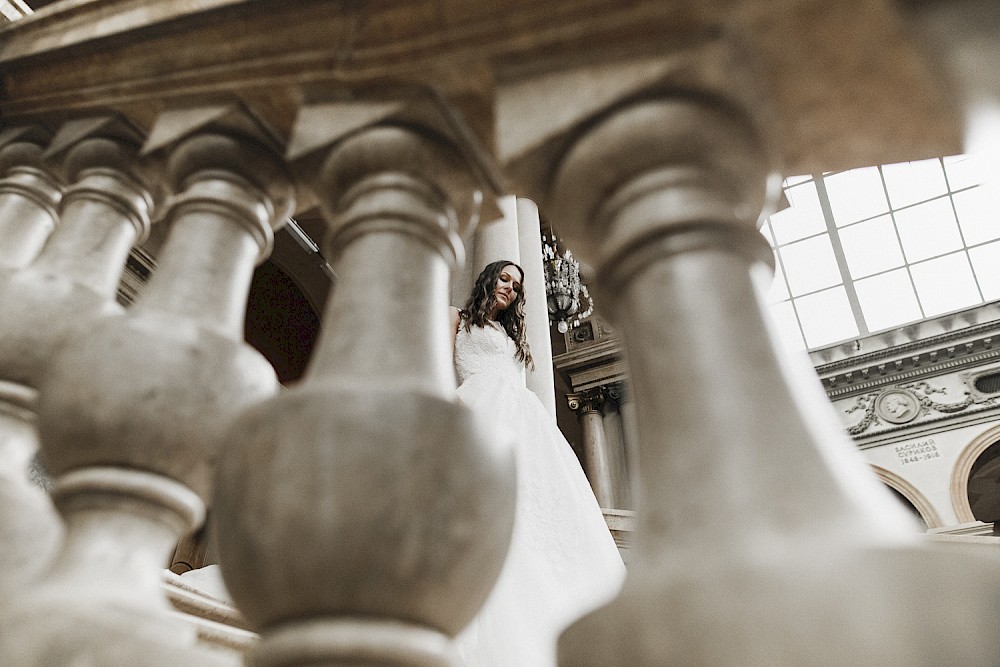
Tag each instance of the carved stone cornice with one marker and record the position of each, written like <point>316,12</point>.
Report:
<point>934,354</point>
<point>51,62</point>
<point>592,366</point>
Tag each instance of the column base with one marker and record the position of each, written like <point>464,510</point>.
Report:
<point>354,642</point>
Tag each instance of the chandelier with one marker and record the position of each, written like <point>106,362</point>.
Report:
<point>564,292</point>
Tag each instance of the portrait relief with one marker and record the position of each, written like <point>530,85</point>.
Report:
<point>898,406</point>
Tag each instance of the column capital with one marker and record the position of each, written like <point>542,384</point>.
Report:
<point>587,401</point>
<point>619,393</point>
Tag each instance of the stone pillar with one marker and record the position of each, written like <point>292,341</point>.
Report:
<point>409,502</point>
<point>536,313</point>
<point>630,436</point>
<point>495,240</point>
<point>662,197</point>
<point>616,447</point>
<point>596,459</point>
<point>132,408</point>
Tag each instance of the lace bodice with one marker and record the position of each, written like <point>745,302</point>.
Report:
<point>486,350</point>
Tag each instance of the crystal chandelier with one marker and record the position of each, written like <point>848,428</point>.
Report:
<point>564,292</point>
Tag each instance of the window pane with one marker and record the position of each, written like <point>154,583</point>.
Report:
<point>787,325</point>
<point>779,289</point>
<point>978,213</point>
<point>912,182</point>
<point>986,262</point>
<point>855,195</point>
<point>928,229</point>
<point>810,265</point>
<point>945,284</point>
<point>964,171</point>
<point>826,317</point>
<point>803,218</point>
<point>871,247</point>
<point>795,180</point>
<point>888,300</point>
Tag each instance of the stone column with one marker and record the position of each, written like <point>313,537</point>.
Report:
<point>409,504</point>
<point>611,414</point>
<point>630,436</point>
<point>596,460</point>
<point>536,313</point>
<point>496,240</point>
<point>132,408</point>
<point>662,197</point>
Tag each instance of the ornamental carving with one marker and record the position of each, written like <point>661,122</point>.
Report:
<point>903,404</point>
<point>898,406</point>
<point>583,402</point>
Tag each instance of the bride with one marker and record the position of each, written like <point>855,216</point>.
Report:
<point>562,561</point>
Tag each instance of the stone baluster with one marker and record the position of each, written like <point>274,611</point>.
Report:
<point>29,195</point>
<point>596,460</point>
<point>761,539</point>
<point>131,411</point>
<point>380,521</point>
<point>45,296</point>
<point>29,201</point>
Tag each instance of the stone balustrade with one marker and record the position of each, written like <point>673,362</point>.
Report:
<point>363,514</point>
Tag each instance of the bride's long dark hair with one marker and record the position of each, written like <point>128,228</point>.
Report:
<point>483,300</point>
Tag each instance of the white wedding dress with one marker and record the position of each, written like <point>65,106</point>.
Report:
<point>562,561</point>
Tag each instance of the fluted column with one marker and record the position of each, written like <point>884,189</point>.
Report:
<point>596,460</point>
<point>29,196</point>
<point>662,197</point>
<point>131,412</point>
<point>70,281</point>
<point>408,502</point>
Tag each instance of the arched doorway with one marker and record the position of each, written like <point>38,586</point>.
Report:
<point>280,321</point>
<point>979,459</point>
<point>983,490</point>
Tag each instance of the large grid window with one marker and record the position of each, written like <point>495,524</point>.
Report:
<point>13,10</point>
<point>865,250</point>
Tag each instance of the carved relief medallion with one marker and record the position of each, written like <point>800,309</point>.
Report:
<point>898,406</point>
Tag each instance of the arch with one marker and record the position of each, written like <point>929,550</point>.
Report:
<point>959,486</point>
<point>923,506</point>
<point>280,322</point>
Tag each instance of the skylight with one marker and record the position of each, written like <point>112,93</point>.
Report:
<point>869,249</point>
<point>13,10</point>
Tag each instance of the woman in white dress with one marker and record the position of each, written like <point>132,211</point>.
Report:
<point>562,561</point>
